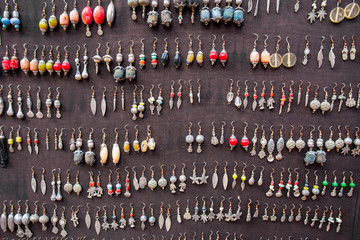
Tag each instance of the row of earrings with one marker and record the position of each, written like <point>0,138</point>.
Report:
<point>29,103</point>
<point>345,53</point>
<point>314,104</point>
<point>14,20</point>
<point>89,156</point>
<point>336,15</point>
<point>88,16</point>
<point>306,191</point>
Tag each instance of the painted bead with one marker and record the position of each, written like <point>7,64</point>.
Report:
<point>6,64</point>
<point>165,58</point>
<point>99,15</point>
<point>200,58</point>
<point>42,67</point>
<point>228,14</point>
<point>216,14</point>
<point>64,20</point>
<point>205,15</point>
<point>190,57</point>
<point>25,65</point>
<point>254,57</point>
<point>74,17</point>
<point>239,16</point>
<point>87,15</point>
<point>34,66</point>
<point>50,66</point>
<point>53,22</point>
<point>43,25</point>
<point>136,145</point>
<point>14,63</point>
<point>265,58</point>
<point>126,147</point>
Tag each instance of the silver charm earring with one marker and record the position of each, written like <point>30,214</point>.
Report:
<point>291,217</point>
<point>97,221</point>
<point>54,219</point>
<point>68,187</point>
<point>260,181</point>
<point>271,190</point>
<point>339,143</point>
<point>182,178</point>
<point>298,216</point>
<point>225,178</point>
<point>187,215</point>
<point>84,73</point>
<point>278,194</point>
<point>273,217</point>
<point>263,143</point>
<point>142,179</point>
<point>178,216</point>
<point>152,184</point>
<point>159,101</point>
<point>151,219</point>
<point>254,104</point>
<point>214,139</point>
<point>189,139</point>
<point>350,101</point>
<point>310,155</point>
<point>10,111</point>
<point>199,139</point>
<point>77,64</point>
<point>345,51</point>
<point>203,216</point>
<point>352,49</point>
<point>306,51</point>
<point>254,141</point>
<point>271,146</point>
<point>19,114</point>
<point>323,219</point>
<point>330,219</point>
<point>280,145</point>
<point>58,182</point>
<point>296,187</point>
<point>265,217</point>
<point>316,189</point>
<point>283,217</point>
<point>211,215</point>
<point>315,103</point>
<point>288,185</point>
<point>44,219</point>
<point>332,54</point>
<point>306,220</point>
<point>195,217</point>
<point>162,182</point>
<point>122,220</point>
<point>315,218</point>
<point>300,143</point>
<point>173,180</point>
<point>252,178</point>
<point>248,215</point>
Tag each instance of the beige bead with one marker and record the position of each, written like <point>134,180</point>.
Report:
<point>104,153</point>
<point>115,153</point>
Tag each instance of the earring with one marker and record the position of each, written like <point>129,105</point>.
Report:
<point>99,17</point>
<point>130,71</point>
<point>173,180</point>
<point>356,151</point>
<point>191,95</point>
<point>271,190</point>
<point>122,220</point>
<point>19,114</point>
<point>28,140</point>
<point>315,103</point>
<point>89,155</point>
<point>165,55</point>
<point>342,185</point>
<point>126,145</point>
<point>66,64</point>
<point>323,219</point>
<point>97,59</point>
<point>152,184</point>
<point>87,18</point>
<point>289,59</point>
<point>190,54</point>
<point>254,141</point>
<point>10,111</point>
<point>306,51</point>
<point>68,187</point>
<point>216,12</point>
<point>136,144</point>
<point>312,15</point>
<point>310,155</point>
<point>105,225</point>
<point>200,54</point>
<point>33,180</point>
<point>203,178</point>
<point>199,90</point>
<point>48,103</point>
<point>203,216</point>
<point>300,143</point>
<point>306,220</point>
<point>331,53</point>
<point>234,176</point>
<point>320,154</point>
<point>99,189</point>
<point>18,139</point>
<point>57,65</point>
<point>77,63</point>
<point>49,65</point>
<point>77,188</point>
<point>182,178</point>
<point>97,221</point>
<point>122,98</point>
<point>232,140</point>
<point>127,184</point>
<point>282,99</point>
<point>290,143</point>
<point>330,220</point>
<point>263,143</point>
<point>107,57</point>
<point>214,139</point>
<point>58,195</point>
<point>74,15</point>
<point>315,218</point>
<point>281,184</point>
<point>330,144</point>
<point>237,101</point>
<point>275,58</point>
<point>254,104</point>
<point>134,106</point>
<point>162,182</point>
<point>54,219</point>
<point>44,219</point>
<point>345,51</point>
<point>220,215</point>
<point>341,97</point>
<point>104,151</point>
<point>243,178</point>
<point>315,190</point>
<point>288,185</point>
<point>87,217</point>
<point>265,217</point>
<point>25,63</point>
<point>322,13</point>
<point>339,143</point>
<point>92,189</point>
<point>337,14</point>
<point>350,102</point>
<point>262,100</point>
<point>271,146</point>
<point>195,217</point>
<point>291,96</point>
<point>280,145</point>
<point>142,54</point>
<point>298,216</point>
<point>53,186</point>
<point>246,95</point>
<point>119,71</point>
<point>252,178</point>
<point>353,48</point>
<point>53,22</point>
<point>230,94</point>
<point>177,57</point>
<point>118,185</point>
<point>215,177</point>
<point>151,100</point>
<point>109,186</point>
<point>43,24</point>
<point>254,55</point>
<point>283,217</point>
<point>334,184</point>
<point>5,63</point>
<point>273,217</point>
<point>211,216</point>
<point>265,55</point>
<point>223,56</point>
<point>239,13</point>
<point>159,101</point>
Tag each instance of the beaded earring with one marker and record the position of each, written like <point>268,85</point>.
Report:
<point>228,12</point>
<point>254,55</point>
<point>43,24</point>
<point>232,140</point>
<point>271,190</point>
<point>275,58</point>
<point>64,18</point>
<point>130,71</point>
<point>53,22</point>
<point>177,57</point>
<point>90,157</point>
<point>74,15</point>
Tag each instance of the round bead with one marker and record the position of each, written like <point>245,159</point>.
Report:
<point>200,138</point>
<point>342,184</point>
<point>243,178</point>
<point>325,183</point>
<point>334,184</point>
<point>352,185</point>
<point>234,176</point>
<point>244,142</point>
<point>189,138</point>
<point>182,178</point>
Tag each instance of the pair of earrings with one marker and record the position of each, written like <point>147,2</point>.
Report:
<point>199,139</point>
<point>10,64</point>
<point>88,15</point>
<point>84,74</point>
<point>320,15</point>
<point>158,101</point>
<point>51,23</point>
<point>233,140</point>
<point>213,55</point>
<point>338,14</point>
<point>214,139</point>
<point>94,190</point>
<point>107,58</point>
<point>103,104</point>
<point>201,179</point>
<point>345,53</point>
<point>33,181</point>
<point>68,187</point>
<point>56,186</point>
<point>14,20</point>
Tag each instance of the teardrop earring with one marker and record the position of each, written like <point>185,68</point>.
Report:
<point>99,17</point>
<point>177,57</point>
<point>254,55</point>
<point>103,103</point>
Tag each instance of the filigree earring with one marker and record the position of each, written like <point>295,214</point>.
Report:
<point>152,184</point>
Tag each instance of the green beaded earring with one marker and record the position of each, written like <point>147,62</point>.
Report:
<point>342,185</point>
<point>351,185</point>
<point>334,184</point>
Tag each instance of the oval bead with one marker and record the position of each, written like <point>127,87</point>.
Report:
<point>87,15</point>
<point>104,153</point>
<point>177,60</point>
<point>53,22</point>
<point>43,25</point>
<point>115,153</point>
<point>74,17</point>
<point>64,20</point>
<point>165,59</point>
<point>99,15</point>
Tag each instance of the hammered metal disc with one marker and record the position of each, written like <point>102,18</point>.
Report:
<point>289,60</point>
<point>352,10</point>
<point>275,60</point>
<point>337,15</point>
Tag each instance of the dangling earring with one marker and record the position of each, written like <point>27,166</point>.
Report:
<point>356,151</point>
<point>28,140</point>
<point>15,19</point>
<point>97,59</point>
<point>99,17</point>
<point>353,48</point>
<point>84,73</point>
<point>127,184</point>
<point>93,102</point>
<point>190,54</point>
<point>126,145</point>
<point>159,101</point>
<point>271,146</point>
<point>315,190</point>
<point>34,64</point>
<point>151,100</point>
<point>320,154</point>
<point>330,144</point>
<point>282,99</point>
<point>74,15</point>
<point>243,178</point>
<point>289,59</point>
<point>134,109</point>
<point>77,63</point>
<point>180,4</point>
<point>44,219</point>
<point>216,12</point>
<point>107,58</point>
<point>254,55</point>
<point>345,51</point>
<point>162,182</point>
<point>273,217</point>
<point>263,143</point>
<point>237,101</point>
<point>182,178</point>
<point>234,176</point>
<point>332,54</point>
<point>53,22</point>
<point>232,140</point>
<point>152,184</point>
<point>119,71</point>
<point>57,64</point>
<point>18,139</point>
<point>195,217</point>
<point>254,141</point>
<point>177,57</point>
<point>288,185</point>
<point>306,51</point>
<point>315,103</point>
<point>265,217</point>
<point>271,190</point>
<point>280,145</point>
<point>339,143</point>
<point>290,143</point>
<point>276,58</point>
<point>341,97</point>
<point>278,194</point>
<point>347,141</point>
<point>351,185</point>
<point>43,183</point>
<point>199,139</point>
<point>172,95</point>
<point>142,54</point>
<point>330,219</point>
<point>244,140</point>
<point>5,63</point>
<point>105,225</point>
<point>350,101</point>
<point>312,15</point>
<point>136,143</point>
<point>205,13</point>
<point>165,55</point>
<point>223,56</point>
<point>87,18</point>
<point>323,219</point>
<point>190,139</point>
<point>14,62</point>
<point>337,14</point>
<point>19,114</point>
<point>103,103</point>
<point>291,96</point>
<point>68,187</point>
<point>116,149</point>
<point>173,180</point>
<point>200,54</point>
<point>310,155</point>
<point>254,104</point>
<point>320,55</point>
<point>154,55</point>
<point>265,55</point>
<point>214,139</point>
<point>322,13</point>
<point>306,220</point>
<point>325,105</point>
<point>97,221</point>
<point>48,103</point>
<point>305,191</point>
<point>230,94</point>
<point>130,71</point>
<point>299,93</point>
<point>122,220</point>
<point>307,94</point>
<point>89,155</point>
<point>54,219</point>
<point>246,95</point>
<point>58,195</point>
<point>283,217</point>
<point>166,18</point>
<point>262,100</point>
<point>215,178</point>
<point>43,24</point>
<point>315,218</point>
<point>104,152</point>
<point>239,13</point>
<point>64,18</point>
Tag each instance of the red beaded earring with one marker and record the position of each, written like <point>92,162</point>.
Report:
<point>245,141</point>
<point>213,55</point>
<point>223,54</point>
<point>233,141</point>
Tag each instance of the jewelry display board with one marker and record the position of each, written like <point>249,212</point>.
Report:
<point>171,127</point>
